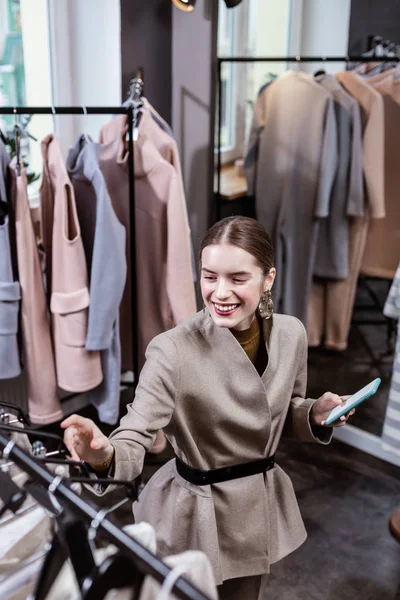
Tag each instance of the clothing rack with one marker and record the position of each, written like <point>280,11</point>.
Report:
<point>294,59</point>
<point>308,59</point>
<point>132,113</point>
<point>143,559</point>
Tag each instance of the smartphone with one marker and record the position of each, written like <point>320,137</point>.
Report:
<point>354,400</point>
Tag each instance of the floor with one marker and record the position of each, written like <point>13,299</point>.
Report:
<point>346,499</point>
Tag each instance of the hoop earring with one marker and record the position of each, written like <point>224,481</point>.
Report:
<point>266,305</point>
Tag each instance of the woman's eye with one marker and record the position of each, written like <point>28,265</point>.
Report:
<point>208,277</point>
<point>239,280</point>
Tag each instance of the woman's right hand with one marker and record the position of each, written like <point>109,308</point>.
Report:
<point>85,441</point>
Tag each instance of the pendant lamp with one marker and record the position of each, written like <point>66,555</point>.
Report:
<point>232,3</point>
<point>185,5</point>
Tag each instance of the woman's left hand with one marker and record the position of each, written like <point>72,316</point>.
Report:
<point>324,405</point>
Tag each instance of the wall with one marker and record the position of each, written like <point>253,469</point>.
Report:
<point>193,49</point>
<point>324,31</point>
<point>375,17</point>
<point>146,39</point>
<point>86,61</point>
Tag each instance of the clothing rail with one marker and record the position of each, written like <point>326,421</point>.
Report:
<point>261,59</point>
<point>145,561</point>
<point>102,110</point>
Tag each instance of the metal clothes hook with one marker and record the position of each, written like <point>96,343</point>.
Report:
<point>53,112</point>
<point>7,449</point>
<point>94,525</point>
<point>51,489</point>
<point>85,134</point>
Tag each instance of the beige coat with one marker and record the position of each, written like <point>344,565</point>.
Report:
<point>199,386</point>
<point>78,369</point>
<point>382,251</point>
<point>163,262</point>
<point>44,405</point>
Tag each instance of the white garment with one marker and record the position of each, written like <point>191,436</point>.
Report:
<point>198,571</point>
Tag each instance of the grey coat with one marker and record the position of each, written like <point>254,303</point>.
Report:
<point>10,292</point>
<point>347,199</point>
<point>104,241</point>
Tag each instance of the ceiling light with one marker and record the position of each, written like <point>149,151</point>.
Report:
<point>186,5</point>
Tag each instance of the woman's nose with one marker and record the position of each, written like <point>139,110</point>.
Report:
<point>222,291</point>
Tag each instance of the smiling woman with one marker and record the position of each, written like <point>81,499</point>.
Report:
<point>231,295</point>
<point>224,385</point>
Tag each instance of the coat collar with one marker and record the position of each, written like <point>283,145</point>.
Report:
<point>223,337</point>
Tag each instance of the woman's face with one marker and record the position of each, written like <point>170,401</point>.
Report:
<point>232,284</point>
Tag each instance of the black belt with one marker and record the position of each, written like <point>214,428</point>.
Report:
<point>199,477</point>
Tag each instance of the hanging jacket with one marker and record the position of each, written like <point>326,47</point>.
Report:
<point>78,369</point>
<point>291,176</point>
<point>382,250</point>
<point>43,402</point>
<point>104,240</point>
<point>165,290</point>
<point>347,198</point>
<point>10,293</point>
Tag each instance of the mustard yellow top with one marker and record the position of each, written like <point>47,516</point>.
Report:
<point>252,342</point>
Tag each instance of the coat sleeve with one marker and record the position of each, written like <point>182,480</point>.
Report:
<point>251,157</point>
<point>374,158</point>
<point>151,410</point>
<point>355,203</point>
<point>328,163</point>
<point>179,280</point>
<point>297,423</point>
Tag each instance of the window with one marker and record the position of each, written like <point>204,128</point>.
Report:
<point>256,28</point>
<point>25,77</point>
<point>12,70</point>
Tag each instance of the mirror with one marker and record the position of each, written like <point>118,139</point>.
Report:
<point>264,28</point>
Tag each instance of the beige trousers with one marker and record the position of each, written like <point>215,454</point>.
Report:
<point>331,302</point>
<point>244,588</point>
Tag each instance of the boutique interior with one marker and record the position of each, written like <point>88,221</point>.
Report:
<point>167,116</point>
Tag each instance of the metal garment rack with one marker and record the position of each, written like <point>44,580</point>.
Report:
<point>308,59</point>
<point>279,59</point>
<point>131,112</point>
<point>145,561</point>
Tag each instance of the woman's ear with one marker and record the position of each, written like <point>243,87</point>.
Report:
<point>269,279</point>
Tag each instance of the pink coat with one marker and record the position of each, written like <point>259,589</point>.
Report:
<point>78,369</point>
<point>165,290</point>
<point>44,405</point>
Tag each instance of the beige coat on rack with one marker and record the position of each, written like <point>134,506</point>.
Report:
<point>166,294</point>
<point>44,405</point>
<point>200,388</point>
<point>382,250</point>
<point>78,369</point>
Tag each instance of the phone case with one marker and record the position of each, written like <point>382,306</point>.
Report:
<point>349,404</point>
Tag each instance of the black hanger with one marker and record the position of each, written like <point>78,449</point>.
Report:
<point>70,541</point>
<point>17,134</point>
<point>319,72</point>
<point>3,138</point>
<point>55,441</point>
<point>3,211</point>
<point>115,572</point>
<point>52,565</point>
<point>13,497</point>
<point>21,416</point>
